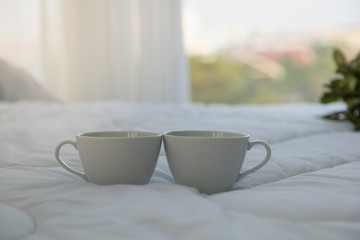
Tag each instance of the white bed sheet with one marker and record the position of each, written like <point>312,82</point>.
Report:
<point>310,189</point>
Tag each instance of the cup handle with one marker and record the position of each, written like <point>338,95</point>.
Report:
<point>260,165</point>
<point>63,164</point>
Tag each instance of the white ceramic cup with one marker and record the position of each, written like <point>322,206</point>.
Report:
<point>115,157</point>
<point>209,160</point>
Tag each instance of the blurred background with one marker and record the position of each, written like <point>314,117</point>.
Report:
<point>228,51</point>
<point>266,51</point>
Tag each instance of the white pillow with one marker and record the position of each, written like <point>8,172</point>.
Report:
<point>14,223</point>
<point>15,84</point>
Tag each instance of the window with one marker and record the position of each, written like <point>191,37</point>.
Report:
<point>266,51</point>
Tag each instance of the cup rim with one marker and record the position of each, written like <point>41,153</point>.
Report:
<point>226,134</point>
<point>107,134</point>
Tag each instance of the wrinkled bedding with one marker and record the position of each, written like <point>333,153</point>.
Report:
<point>310,189</point>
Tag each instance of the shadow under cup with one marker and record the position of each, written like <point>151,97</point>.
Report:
<point>209,160</point>
<point>115,157</point>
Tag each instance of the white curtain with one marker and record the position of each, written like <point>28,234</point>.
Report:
<point>114,49</point>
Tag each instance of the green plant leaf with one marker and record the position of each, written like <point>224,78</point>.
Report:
<point>343,69</point>
<point>329,97</point>
<point>355,64</point>
<point>339,57</point>
<point>345,88</point>
<point>336,83</point>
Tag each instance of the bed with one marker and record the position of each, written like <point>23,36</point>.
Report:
<point>310,189</point>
